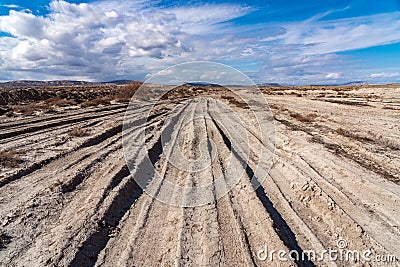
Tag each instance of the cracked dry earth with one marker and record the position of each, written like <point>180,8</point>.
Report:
<point>335,176</point>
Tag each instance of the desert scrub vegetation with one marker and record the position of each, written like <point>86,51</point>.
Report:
<point>390,107</point>
<point>96,102</point>
<point>392,144</point>
<point>79,132</point>
<point>124,93</point>
<point>4,240</point>
<point>307,118</point>
<point>10,158</point>
<point>235,101</point>
<point>296,94</point>
<point>56,101</point>
<point>26,110</point>
<point>374,138</point>
<point>352,135</point>
<point>46,106</point>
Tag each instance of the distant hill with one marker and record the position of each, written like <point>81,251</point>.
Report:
<point>342,84</point>
<point>119,82</point>
<point>356,83</point>
<point>30,84</point>
<point>202,84</point>
<point>27,83</point>
<point>270,84</point>
<point>33,84</point>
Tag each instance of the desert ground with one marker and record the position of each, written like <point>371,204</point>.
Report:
<point>68,198</point>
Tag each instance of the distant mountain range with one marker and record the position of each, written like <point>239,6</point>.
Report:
<point>341,84</point>
<point>33,84</point>
<point>30,84</point>
<point>201,84</point>
<point>356,83</point>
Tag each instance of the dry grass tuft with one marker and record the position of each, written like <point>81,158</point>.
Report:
<point>390,143</point>
<point>354,136</point>
<point>10,158</point>
<point>56,101</point>
<point>96,102</point>
<point>235,101</point>
<point>4,240</point>
<point>26,110</point>
<point>10,114</point>
<point>79,132</point>
<point>296,94</point>
<point>390,107</point>
<point>308,118</point>
<point>46,106</point>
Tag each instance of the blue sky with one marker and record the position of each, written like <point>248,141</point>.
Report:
<point>286,41</point>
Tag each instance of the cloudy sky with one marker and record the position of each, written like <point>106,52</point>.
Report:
<point>285,41</point>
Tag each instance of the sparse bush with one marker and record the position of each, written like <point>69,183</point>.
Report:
<point>316,139</point>
<point>355,136</point>
<point>10,114</point>
<point>343,132</point>
<point>96,102</point>
<point>296,94</point>
<point>125,93</point>
<point>4,240</point>
<point>337,149</point>
<point>10,158</point>
<point>26,110</point>
<point>56,101</point>
<point>79,132</point>
<point>308,118</point>
<point>50,110</point>
<point>389,107</point>
<point>390,144</point>
<point>232,100</point>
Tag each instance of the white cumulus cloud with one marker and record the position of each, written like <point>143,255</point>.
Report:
<point>101,40</point>
<point>385,75</point>
<point>105,40</point>
<point>327,36</point>
<point>333,75</point>
<point>11,5</point>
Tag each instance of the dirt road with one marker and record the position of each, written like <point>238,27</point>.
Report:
<point>334,180</point>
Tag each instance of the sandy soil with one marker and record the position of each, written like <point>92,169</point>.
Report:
<point>335,176</point>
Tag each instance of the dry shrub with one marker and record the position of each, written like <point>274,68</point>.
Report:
<point>46,106</point>
<point>126,92</point>
<point>390,144</point>
<point>316,139</point>
<point>96,102</point>
<point>79,132</point>
<point>50,110</point>
<point>56,101</point>
<point>389,107</point>
<point>227,97</point>
<point>10,114</point>
<point>355,136</point>
<point>296,94</point>
<point>10,158</point>
<point>373,137</point>
<point>234,101</point>
<point>308,118</point>
<point>4,240</point>
<point>344,132</point>
<point>26,110</point>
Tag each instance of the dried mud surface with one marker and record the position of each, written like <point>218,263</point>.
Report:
<point>70,200</point>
